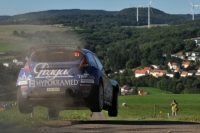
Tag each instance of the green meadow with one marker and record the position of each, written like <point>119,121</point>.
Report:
<point>9,42</point>
<point>156,106</point>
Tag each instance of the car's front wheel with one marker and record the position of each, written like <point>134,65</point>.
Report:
<point>24,104</point>
<point>96,98</point>
<point>53,113</point>
<point>113,110</point>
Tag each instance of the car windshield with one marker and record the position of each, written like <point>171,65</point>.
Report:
<point>56,56</point>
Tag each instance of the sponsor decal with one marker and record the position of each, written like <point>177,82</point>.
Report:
<point>24,77</point>
<point>50,74</point>
<point>86,78</point>
<point>43,83</point>
<point>53,89</point>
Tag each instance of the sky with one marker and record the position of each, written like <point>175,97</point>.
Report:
<point>15,7</point>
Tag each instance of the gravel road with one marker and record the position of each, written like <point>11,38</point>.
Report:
<point>99,124</point>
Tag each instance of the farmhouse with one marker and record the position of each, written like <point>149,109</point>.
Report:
<point>139,73</point>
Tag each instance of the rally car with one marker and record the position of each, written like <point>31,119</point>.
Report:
<point>63,77</point>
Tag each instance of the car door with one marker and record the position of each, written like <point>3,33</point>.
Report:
<point>106,82</point>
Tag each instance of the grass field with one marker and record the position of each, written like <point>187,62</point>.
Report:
<point>156,106</point>
<point>9,42</point>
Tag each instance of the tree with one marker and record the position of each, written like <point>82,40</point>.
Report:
<point>15,33</point>
<point>179,88</point>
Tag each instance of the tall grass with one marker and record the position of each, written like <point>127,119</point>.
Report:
<point>12,118</point>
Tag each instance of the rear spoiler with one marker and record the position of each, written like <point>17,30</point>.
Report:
<point>45,47</point>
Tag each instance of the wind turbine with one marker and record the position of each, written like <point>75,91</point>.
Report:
<point>192,9</point>
<point>137,12</point>
<point>149,6</point>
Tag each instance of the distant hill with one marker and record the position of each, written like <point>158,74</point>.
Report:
<point>56,13</point>
<point>4,18</point>
<point>128,15</point>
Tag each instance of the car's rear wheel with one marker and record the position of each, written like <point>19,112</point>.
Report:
<point>24,104</point>
<point>96,98</point>
<point>113,110</point>
<point>53,113</point>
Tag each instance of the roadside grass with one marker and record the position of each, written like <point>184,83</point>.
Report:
<point>156,106</point>
<point>12,118</point>
<point>9,42</point>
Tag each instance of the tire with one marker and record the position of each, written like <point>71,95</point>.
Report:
<point>53,113</point>
<point>113,110</point>
<point>24,104</point>
<point>97,98</point>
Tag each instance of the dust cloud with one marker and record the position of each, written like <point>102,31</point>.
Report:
<point>68,37</point>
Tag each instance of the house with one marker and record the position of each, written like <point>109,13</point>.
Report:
<point>181,57</point>
<point>186,64</point>
<point>139,73</point>
<point>156,66</point>
<point>197,42</point>
<point>191,73</point>
<point>195,54</point>
<point>171,75</point>
<point>158,73</point>
<point>194,58</point>
<point>184,73</point>
<point>173,65</point>
<point>198,69</point>
<point>6,64</point>
<point>187,53</point>
<point>177,70</point>
<point>147,69</point>
<point>198,72</point>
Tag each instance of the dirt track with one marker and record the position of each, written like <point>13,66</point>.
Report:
<point>100,124</point>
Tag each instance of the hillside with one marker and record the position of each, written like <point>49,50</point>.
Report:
<point>124,17</point>
<point>55,13</point>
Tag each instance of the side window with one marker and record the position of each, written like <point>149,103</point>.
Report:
<point>98,63</point>
<point>91,59</point>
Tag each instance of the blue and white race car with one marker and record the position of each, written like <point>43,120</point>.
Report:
<point>62,77</point>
